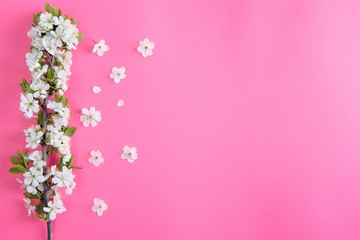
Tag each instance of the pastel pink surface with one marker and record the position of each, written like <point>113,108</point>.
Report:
<point>246,120</point>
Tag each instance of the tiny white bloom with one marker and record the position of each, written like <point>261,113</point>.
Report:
<point>120,103</point>
<point>30,207</point>
<point>96,89</point>
<point>100,48</point>
<point>130,154</point>
<point>146,47</point>
<point>99,206</point>
<point>90,116</point>
<point>96,158</point>
<point>118,74</point>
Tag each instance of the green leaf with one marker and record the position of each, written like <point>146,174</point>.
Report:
<point>22,157</point>
<point>14,171</point>
<point>50,74</point>
<point>16,160</point>
<point>68,164</point>
<point>51,10</point>
<point>30,196</point>
<point>36,18</point>
<point>25,87</point>
<point>80,36</point>
<point>70,131</point>
<point>21,168</point>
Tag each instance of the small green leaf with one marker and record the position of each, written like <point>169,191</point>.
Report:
<point>51,10</point>
<point>36,18</point>
<point>80,37</point>
<point>21,168</point>
<point>14,171</point>
<point>25,87</point>
<point>30,196</point>
<point>16,160</point>
<point>70,131</point>
<point>68,164</point>
<point>50,74</point>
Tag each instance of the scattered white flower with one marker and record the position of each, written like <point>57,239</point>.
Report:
<point>118,74</point>
<point>146,47</point>
<point>96,89</point>
<point>130,154</point>
<point>96,158</point>
<point>120,103</point>
<point>31,208</point>
<point>99,206</point>
<point>54,207</point>
<point>90,116</point>
<point>100,48</point>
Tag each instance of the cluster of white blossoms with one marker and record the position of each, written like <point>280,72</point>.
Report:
<point>53,36</point>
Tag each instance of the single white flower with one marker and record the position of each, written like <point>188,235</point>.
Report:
<point>54,207</point>
<point>40,88</point>
<point>32,179</point>
<point>64,178</point>
<point>130,154</point>
<point>96,158</point>
<point>33,58</point>
<point>30,207</point>
<point>96,89</point>
<point>99,206</point>
<point>146,47</point>
<point>118,74</point>
<point>90,116</point>
<point>46,20</point>
<point>33,136</point>
<point>29,105</point>
<point>120,103</point>
<point>100,48</point>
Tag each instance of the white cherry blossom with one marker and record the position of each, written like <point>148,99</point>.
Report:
<point>120,103</point>
<point>100,48</point>
<point>90,116</point>
<point>33,136</point>
<point>32,179</point>
<point>30,207</point>
<point>65,178</point>
<point>54,207</point>
<point>29,105</point>
<point>96,158</point>
<point>118,74</point>
<point>146,47</point>
<point>99,206</point>
<point>129,153</point>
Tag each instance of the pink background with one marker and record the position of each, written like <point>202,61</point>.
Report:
<point>246,120</point>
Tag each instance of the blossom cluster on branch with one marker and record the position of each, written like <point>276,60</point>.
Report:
<point>53,36</point>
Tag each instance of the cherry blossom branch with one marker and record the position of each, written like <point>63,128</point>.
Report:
<point>44,158</point>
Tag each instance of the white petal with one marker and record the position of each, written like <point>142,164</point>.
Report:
<point>120,103</point>
<point>96,89</point>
